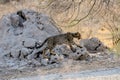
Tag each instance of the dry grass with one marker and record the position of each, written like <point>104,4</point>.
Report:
<point>88,28</point>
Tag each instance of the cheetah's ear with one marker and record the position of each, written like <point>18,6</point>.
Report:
<point>77,33</point>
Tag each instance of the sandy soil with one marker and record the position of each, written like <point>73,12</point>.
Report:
<point>101,74</point>
<point>66,68</point>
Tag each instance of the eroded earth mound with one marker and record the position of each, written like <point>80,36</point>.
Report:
<point>21,32</point>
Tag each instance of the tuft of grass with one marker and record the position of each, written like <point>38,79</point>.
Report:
<point>116,48</point>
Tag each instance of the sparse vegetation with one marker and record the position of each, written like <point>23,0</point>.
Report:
<point>4,1</point>
<point>72,13</point>
<point>26,26</point>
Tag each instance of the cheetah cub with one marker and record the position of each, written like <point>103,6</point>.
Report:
<point>66,38</point>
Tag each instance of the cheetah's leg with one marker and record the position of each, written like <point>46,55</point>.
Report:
<point>44,51</point>
<point>76,45</point>
<point>71,47</point>
<point>52,52</point>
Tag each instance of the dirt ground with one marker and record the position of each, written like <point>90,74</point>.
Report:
<point>99,74</point>
<point>67,67</point>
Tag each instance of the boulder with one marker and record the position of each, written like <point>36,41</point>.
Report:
<point>80,54</point>
<point>29,34</point>
<point>93,45</point>
<point>22,31</point>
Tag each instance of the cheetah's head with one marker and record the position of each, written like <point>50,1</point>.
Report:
<point>77,35</point>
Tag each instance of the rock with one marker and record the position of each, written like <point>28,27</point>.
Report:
<point>29,43</point>
<point>25,51</point>
<point>62,50</point>
<point>21,56</point>
<point>35,62</point>
<point>44,62</point>
<point>20,35</point>
<point>84,56</point>
<point>2,52</point>
<point>31,56</point>
<point>54,59</point>
<point>15,52</point>
<point>14,18</point>
<point>80,54</point>
<point>93,44</point>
